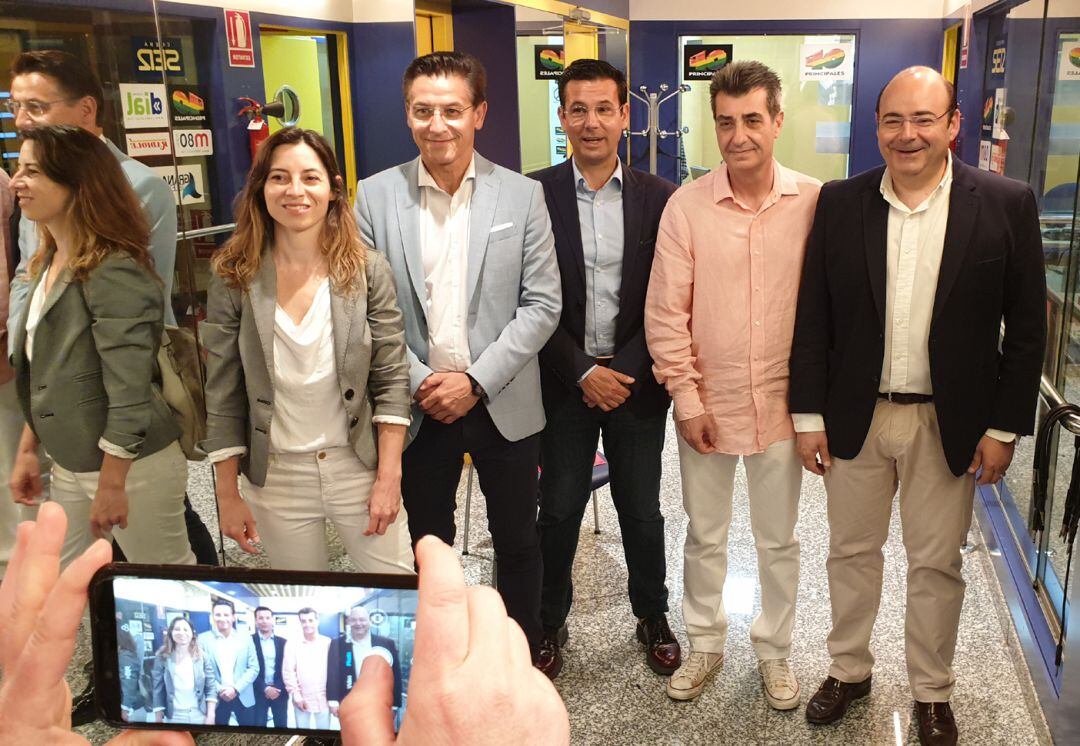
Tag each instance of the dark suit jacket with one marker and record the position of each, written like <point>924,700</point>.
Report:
<point>279,659</point>
<point>563,360</point>
<point>991,269</point>
<point>341,673</point>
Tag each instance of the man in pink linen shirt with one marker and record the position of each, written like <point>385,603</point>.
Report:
<point>719,320</point>
<point>304,672</point>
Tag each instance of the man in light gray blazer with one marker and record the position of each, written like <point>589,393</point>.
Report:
<point>473,258</point>
<point>235,664</point>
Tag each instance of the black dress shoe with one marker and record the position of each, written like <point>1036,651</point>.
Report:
<point>82,706</point>
<point>831,700</point>
<point>937,727</point>
<point>550,659</point>
<point>662,652</point>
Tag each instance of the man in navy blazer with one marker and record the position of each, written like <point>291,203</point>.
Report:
<point>470,246</point>
<point>269,685</point>
<point>596,370</point>
<point>900,374</point>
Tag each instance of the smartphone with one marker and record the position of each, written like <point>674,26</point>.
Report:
<point>210,649</point>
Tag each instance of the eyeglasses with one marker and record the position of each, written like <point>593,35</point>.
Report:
<point>448,113</point>
<point>895,123</point>
<point>578,113</point>
<point>34,108</point>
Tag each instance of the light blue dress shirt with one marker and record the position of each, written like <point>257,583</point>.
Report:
<point>600,213</point>
<point>269,652</point>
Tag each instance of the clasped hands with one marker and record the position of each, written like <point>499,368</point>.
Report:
<point>605,388</point>
<point>446,397</point>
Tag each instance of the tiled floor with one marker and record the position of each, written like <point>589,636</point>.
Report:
<point>613,698</point>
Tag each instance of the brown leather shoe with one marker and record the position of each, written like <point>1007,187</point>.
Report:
<point>662,652</point>
<point>831,700</point>
<point>937,727</point>
<point>549,661</point>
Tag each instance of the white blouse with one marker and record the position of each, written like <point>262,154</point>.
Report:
<point>308,411</point>
<point>184,684</point>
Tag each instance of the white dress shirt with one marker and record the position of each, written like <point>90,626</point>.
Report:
<point>915,240</point>
<point>444,244</point>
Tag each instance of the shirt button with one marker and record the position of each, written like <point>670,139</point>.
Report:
<point>322,454</point>
<point>757,323</point>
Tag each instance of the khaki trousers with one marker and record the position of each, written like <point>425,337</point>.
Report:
<point>155,533</point>
<point>903,446</point>
<point>774,478</point>
<point>302,490</point>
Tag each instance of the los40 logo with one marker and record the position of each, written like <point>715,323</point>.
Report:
<point>153,57</point>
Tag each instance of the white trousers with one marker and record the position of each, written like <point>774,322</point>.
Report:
<point>11,513</point>
<point>319,720</point>
<point>155,533</point>
<point>302,491</point>
<point>708,481</point>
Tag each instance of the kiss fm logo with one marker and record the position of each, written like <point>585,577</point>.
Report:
<point>144,105</point>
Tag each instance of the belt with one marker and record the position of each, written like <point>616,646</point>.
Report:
<point>604,362</point>
<point>897,397</point>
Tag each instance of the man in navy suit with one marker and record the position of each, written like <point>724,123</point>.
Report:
<point>596,372</point>
<point>269,686</point>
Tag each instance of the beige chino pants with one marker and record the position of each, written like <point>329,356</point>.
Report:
<point>774,478</point>
<point>902,447</point>
<point>302,490</point>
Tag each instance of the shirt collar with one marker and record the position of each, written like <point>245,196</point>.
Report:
<point>354,641</point>
<point>891,197</point>
<point>784,184</point>
<point>266,637</point>
<point>220,636</point>
<point>580,182</point>
<point>425,179</point>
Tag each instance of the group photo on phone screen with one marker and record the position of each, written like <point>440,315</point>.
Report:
<point>254,655</point>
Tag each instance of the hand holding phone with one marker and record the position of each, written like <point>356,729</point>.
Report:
<point>37,636</point>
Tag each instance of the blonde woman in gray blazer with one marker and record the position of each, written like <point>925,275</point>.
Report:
<point>307,392</point>
<point>84,350</point>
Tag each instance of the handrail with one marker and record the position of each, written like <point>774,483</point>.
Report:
<point>208,231</point>
<point>1054,399</point>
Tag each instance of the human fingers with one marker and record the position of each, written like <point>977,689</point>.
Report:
<point>976,461</point>
<point>38,572</point>
<point>50,645</point>
<point>9,592</point>
<point>823,451</point>
<point>152,738</point>
<point>366,712</point>
<point>487,623</point>
<point>623,378</point>
<point>442,612</point>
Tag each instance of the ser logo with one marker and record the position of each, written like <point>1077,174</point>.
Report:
<point>997,60</point>
<point>158,60</point>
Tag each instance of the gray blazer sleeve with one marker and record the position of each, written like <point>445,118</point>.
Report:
<point>157,680</point>
<point>226,397</point>
<point>388,376</point>
<point>125,305</point>
<point>418,371</point>
<point>210,683</point>
<point>539,304</point>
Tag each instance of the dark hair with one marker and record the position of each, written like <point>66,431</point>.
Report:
<point>106,216</point>
<point>74,76</point>
<point>440,64</point>
<point>238,260</point>
<point>124,640</point>
<point>949,88</point>
<point>262,608</point>
<point>306,610</point>
<point>223,602</point>
<point>742,77</point>
<point>589,69</point>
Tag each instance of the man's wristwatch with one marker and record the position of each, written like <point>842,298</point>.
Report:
<point>477,389</point>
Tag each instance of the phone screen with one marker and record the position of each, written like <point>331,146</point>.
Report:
<point>237,649</point>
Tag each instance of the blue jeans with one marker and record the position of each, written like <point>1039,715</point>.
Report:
<point>632,446</point>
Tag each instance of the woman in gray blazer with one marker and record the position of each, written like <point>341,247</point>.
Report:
<point>307,390</point>
<point>84,351</point>
<point>183,683</point>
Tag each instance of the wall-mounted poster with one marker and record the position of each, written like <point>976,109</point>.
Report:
<point>700,61</point>
<point>190,190</point>
<point>239,37</point>
<point>146,144</point>
<point>193,142</point>
<point>188,106</point>
<point>827,62</point>
<point>549,60</point>
<point>1069,65</point>
<point>152,57</point>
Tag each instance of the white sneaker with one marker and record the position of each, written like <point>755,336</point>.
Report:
<point>688,680</point>
<point>781,686</point>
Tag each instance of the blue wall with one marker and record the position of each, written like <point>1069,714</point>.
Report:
<point>883,48</point>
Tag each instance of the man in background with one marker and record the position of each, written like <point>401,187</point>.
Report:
<point>347,654</point>
<point>269,686</point>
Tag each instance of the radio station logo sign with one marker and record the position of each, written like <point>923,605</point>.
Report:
<point>144,106</point>
<point>188,105</point>
<point>153,57</point>
<point>700,61</point>
<point>193,142</point>
<point>146,144</point>
<point>1069,66</point>
<point>549,61</point>
<point>186,181</point>
<point>827,62</point>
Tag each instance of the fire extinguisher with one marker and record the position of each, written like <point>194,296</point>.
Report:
<point>258,129</point>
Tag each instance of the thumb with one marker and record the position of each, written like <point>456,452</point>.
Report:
<point>976,462</point>
<point>365,714</point>
<point>826,459</point>
<point>152,738</point>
